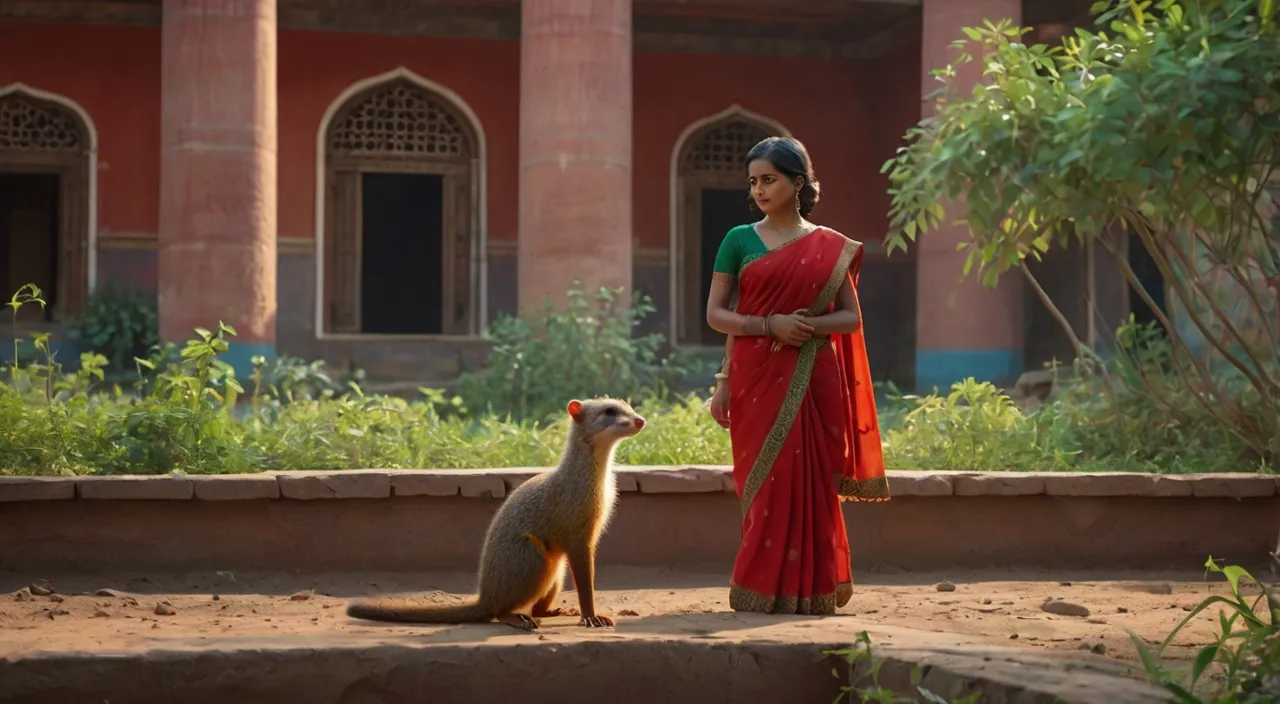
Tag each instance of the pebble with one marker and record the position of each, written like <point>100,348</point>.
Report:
<point>163,609</point>
<point>945,586</point>
<point>41,589</point>
<point>1064,608</point>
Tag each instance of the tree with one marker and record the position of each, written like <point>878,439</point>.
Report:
<point>1167,126</point>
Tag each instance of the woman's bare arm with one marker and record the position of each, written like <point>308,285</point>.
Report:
<point>725,321</point>
<point>844,318</point>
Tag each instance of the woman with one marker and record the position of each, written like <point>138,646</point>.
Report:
<point>795,393</point>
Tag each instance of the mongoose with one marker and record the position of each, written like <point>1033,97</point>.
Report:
<point>551,519</point>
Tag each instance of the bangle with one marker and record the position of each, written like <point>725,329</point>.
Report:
<point>721,376</point>
<point>767,329</point>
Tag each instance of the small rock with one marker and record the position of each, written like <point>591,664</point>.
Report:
<point>986,600</point>
<point>301,596</point>
<point>101,614</point>
<point>945,586</point>
<point>1064,608</point>
<point>1121,610</point>
<point>1013,636</point>
<point>41,589</point>
<point>1099,621</point>
<point>56,598</point>
<point>163,609</point>
<point>58,612</point>
<point>108,592</point>
<point>1064,584</point>
<point>1099,649</point>
<point>22,594</point>
<point>217,598</point>
<point>627,612</point>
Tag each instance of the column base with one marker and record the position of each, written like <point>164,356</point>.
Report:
<point>240,356</point>
<point>942,368</point>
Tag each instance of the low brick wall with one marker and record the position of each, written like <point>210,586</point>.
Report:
<point>668,516</point>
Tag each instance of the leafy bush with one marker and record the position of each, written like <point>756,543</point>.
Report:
<point>1167,126</point>
<point>186,410</point>
<point>118,323</point>
<point>586,349</point>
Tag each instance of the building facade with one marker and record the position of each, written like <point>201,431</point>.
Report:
<point>373,182</point>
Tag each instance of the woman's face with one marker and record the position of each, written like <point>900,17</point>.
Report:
<point>770,189</point>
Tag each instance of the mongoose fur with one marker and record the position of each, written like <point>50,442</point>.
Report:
<point>551,520</point>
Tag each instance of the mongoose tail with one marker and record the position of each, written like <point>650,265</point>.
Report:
<point>407,611</point>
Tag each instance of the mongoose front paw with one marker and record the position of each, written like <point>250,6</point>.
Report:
<point>597,621</point>
<point>521,622</point>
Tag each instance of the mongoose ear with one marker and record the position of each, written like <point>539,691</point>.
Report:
<point>575,408</point>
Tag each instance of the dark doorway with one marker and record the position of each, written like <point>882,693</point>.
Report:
<point>1148,274</point>
<point>29,211</point>
<point>402,262</point>
<point>722,210</point>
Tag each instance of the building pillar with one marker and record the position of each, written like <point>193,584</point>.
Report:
<point>575,148</point>
<point>218,173</point>
<point>962,329</point>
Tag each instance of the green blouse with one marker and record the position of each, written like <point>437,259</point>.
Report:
<point>740,246</point>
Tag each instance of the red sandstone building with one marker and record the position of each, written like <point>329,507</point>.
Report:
<point>372,181</point>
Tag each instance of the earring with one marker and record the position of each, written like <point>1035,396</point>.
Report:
<point>797,199</point>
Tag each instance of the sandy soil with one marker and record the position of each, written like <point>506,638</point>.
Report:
<point>199,607</point>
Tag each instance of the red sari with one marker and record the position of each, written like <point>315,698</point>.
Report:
<point>804,432</point>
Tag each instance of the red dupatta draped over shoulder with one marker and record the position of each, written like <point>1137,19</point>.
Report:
<point>804,431</point>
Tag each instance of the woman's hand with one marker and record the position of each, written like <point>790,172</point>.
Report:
<point>790,329</point>
<point>720,404</point>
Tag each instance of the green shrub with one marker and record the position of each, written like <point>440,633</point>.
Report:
<point>118,323</point>
<point>588,348</point>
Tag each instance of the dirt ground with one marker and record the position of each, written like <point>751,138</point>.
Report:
<point>126,610</point>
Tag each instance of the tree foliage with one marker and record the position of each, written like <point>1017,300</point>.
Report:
<point>1163,122</point>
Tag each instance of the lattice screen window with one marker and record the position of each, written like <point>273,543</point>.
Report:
<point>37,126</point>
<point>400,119</point>
<point>723,147</point>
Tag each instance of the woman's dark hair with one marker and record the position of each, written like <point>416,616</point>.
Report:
<point>791,158</point>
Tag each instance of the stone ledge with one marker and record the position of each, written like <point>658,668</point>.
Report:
<point>701,479</point>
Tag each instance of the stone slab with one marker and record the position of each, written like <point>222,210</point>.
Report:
<point>497,483</point>
<point>920,484</point>
<point>37,488</point>
<point>1108,484</point>
<point>342,484</point>
<point>131,487</point>
<point>697,658</point>
<point>683,480</point>
<point>1236,486</point>
<point>999,484</point>
<point>236,487</point>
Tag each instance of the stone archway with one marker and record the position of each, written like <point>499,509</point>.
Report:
<point>709,196</point>
<point>47,152</point>
<point>401,214</point>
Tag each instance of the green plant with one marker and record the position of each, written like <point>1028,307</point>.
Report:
<point>863,665</point>
<point>1243,665</point>
<point>585,349</point>
<point>975,427</point>
<point>1167,126</point>
<point>119,323</point>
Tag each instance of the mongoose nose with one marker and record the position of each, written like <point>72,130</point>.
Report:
<point>639,422</point>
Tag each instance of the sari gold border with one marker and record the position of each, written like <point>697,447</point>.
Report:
<point>800,376</point>
<point>873,490</point>
<point>743,599</point>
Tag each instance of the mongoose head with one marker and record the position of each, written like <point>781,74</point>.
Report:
<point>604,419</point>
